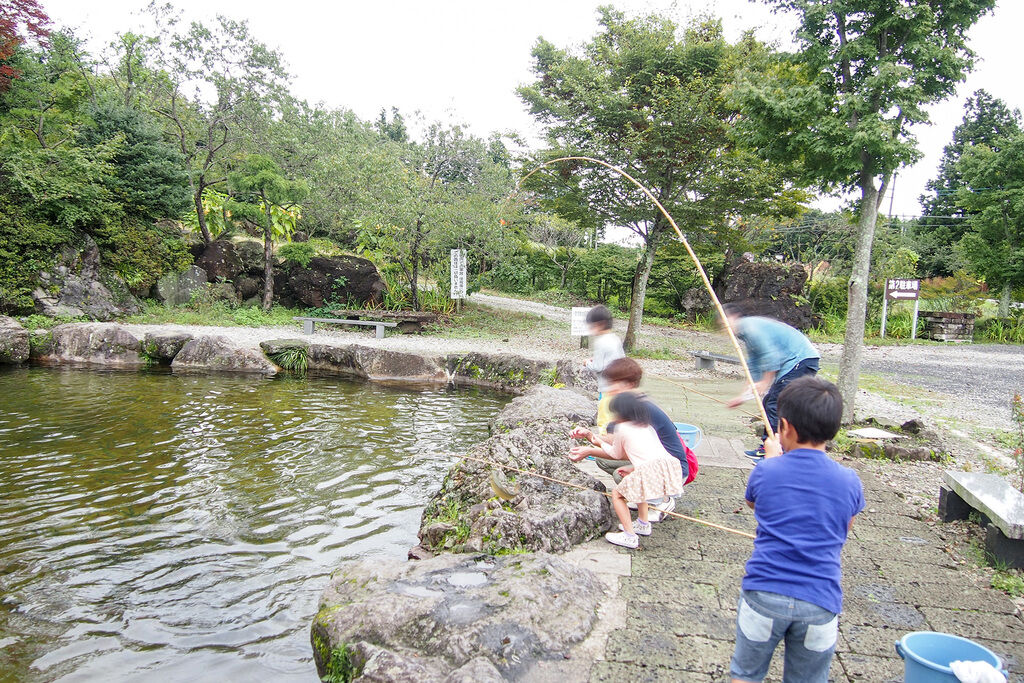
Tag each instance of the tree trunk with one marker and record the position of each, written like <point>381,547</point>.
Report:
<point>857,303</point>
<point>268,261</point>
<point>636,301</point>
<point>197,197</point>
<point>1004,300</point>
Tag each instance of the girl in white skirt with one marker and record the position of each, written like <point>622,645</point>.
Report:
<point>655,473</point>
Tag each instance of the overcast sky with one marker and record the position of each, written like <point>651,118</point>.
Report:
<point>460,61</point>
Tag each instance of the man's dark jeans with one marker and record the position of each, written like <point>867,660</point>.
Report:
<point>808,366</point>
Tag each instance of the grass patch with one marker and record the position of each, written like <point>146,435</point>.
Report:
<point>1010,582</point>
<point>480,322</point>
<point>663,353</point>
<point>293,359</point>
<point>214,314</point>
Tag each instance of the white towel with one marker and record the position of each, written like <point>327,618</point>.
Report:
<point>976,672</point>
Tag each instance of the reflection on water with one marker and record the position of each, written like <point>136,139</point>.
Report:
<point>172,528</point>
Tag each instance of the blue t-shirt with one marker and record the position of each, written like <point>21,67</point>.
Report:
<point>803,503</point>
<point>773,346</point>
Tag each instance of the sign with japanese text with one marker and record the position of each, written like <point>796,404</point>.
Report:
<point>578,322</point>
<point>458,274</point>
<point>902,289</point>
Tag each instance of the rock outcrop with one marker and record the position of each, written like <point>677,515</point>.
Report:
<point>77,287</point>
<point>770,289</point>
<point>102,344</point>
<point>13,341</point>
<point>219,354</point>
<point>452,618</point>
<point>497,370</point>
<point>466,514</point>
<point>175,289</point>
<point>219,261</point>
<point>327,279</point>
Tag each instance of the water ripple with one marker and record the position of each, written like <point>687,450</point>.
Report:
<point>181,528</point>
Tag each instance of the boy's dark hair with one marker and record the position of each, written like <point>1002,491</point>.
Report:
<point>630,407</point>
<point>600,315</point>
<point>623,370</point>
<point>813,407</point>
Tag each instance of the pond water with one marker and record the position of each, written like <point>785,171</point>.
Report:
<point>180,528</point>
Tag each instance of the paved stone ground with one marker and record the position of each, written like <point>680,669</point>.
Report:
<point>681,591</point>
<point>675,604</point>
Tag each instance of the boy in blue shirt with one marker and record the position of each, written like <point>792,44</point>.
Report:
<point>804,503</point>
<point>777,354</point>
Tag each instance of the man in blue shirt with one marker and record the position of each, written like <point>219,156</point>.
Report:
<point>804,503</point>
<point>777,354</point>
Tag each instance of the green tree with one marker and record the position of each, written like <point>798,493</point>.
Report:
<point>986,120</point>
<point>268,199</point>
<point>150,180</point>
<point>236,84</point>
<point>18,17</point>
<point>653,103</point>
<point>843,107</point>
<point>993,193</point>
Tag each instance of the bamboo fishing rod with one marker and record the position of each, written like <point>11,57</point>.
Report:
<point>585,488</point>
<point>696,262</point>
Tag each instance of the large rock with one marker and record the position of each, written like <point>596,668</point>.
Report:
<point>576,376</point>
<point>250,256</point>
<point>465,515</point>
<point>104,344</point>
<point>328,279</point>
<point>452,618</point>
<point>375,364</point>
<point>76,286</point>
<point>220,261</point>
<point>545,404</point>
<point>248,287</point>
<point>175,289</point>
<point>13,341</point>
<point>770,289</point>
<point>162,347</point>
<point>503,371</point>
<point>220,354</point>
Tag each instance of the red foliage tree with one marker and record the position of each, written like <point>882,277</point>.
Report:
<point>17,16</point>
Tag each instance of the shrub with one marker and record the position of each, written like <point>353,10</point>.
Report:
<point>26,247</point>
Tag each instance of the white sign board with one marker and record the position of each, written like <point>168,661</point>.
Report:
<point>458,274</point>
<point>578,322</point>
<point>898,289</point>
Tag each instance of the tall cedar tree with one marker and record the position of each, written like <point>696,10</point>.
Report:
<point>653,103</point>
<point>986,120</point>
<point>843,107</point>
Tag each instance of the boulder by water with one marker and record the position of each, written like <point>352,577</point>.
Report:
<point>164,346</point>
<point>13,341</point>
<point>219,354</point>
<point>466,515</point>
<point>104,344</point>
<point>498,370</point>
<point>452,618</point>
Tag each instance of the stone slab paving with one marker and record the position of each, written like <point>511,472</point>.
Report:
<point>679,596</point>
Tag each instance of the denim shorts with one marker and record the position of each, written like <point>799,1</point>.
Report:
<point>763,619</point>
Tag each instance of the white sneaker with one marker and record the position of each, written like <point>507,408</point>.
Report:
<point>657,514</point>
<point>623,539</point>
<point>640,528</point>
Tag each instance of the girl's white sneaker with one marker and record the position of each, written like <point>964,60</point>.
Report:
<point>640,528</point>
<point>623,539</point>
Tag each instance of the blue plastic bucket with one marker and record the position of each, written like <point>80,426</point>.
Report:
<point>691,434</point>
<point>927,656</point>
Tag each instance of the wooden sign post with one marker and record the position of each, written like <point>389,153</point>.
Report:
<point>899,289</point>
<point>458,276</point>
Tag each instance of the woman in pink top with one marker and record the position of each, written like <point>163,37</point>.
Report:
<point>655,473</point>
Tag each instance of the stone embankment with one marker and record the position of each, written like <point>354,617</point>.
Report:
<point>114,346</point>
<point>492,604</point>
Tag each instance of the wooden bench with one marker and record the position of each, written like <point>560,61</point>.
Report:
<point>309,324</point>
<point>706,359</point>
<point>1001,507</point>
<point>408,321</point>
